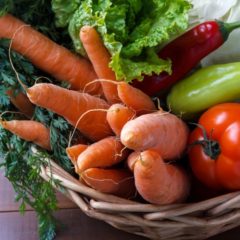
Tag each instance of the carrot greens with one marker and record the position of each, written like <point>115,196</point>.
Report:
<point>20,165</point>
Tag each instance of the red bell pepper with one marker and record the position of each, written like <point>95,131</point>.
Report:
<point>185,52</point>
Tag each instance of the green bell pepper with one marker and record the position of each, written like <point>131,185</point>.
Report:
<point>205,88</point>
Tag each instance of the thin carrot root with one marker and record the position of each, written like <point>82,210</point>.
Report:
<point>119,182</point>
<point>22,103</point>
<point>118,115</point>
<point>135,99</point>
<point>99,80</point>
<point>158,182</point>
<point>82,110</point>
<point>29,130</point>
<point>161,131</point>
<point>82,117</point>
<point>104,153</point>
<point>100,58</point>
<point>47,55</point>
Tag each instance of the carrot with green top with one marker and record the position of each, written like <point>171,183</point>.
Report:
<point>83,111</point>
<point>28,130</point>
<point>47,55</point>
<point>104,153</point>
<point>100,58</point>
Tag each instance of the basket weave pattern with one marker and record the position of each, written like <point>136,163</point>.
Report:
<point>171,222</point>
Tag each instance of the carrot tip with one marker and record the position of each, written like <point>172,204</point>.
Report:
<point>85,29</point>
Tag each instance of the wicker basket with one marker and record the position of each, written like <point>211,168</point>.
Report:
<point>172,222</point>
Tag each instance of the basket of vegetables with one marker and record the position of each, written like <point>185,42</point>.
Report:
<point>114,104</point>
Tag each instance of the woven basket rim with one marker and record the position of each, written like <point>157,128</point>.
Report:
<point>198,220</point>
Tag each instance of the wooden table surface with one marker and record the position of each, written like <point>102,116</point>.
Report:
<point>76,225</point>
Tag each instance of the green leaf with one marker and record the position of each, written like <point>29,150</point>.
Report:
<point>132,30</point>
<point>4,98</point>
<point>22,207</point>
<point>5,6</point>
<point>7,79</point>
<point>21,167</point>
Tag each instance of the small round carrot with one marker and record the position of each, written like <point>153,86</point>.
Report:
<point>104,153</point>
<point>161,131</point>
<point>47,55</point>
<point>22,103</point>
<point>117,116</point>
<point>159,182</point>
<point>119,182</point>
<point>29,130</point>
<point>100,58</point>
<point>73,152</point>
<point>135,99</point>
<point>86,112</point>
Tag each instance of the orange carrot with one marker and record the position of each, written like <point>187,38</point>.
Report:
<point>100,58</point>
<point>29,130</point>
<point>119,182</point>
<point>104,153</point>
<point>22,103</point>
<point>74,151</point>
<point>47,55</point>
<point>117,116</point>
<point>132,159</point>
<point>158,182</point>
<point>135,99</point>
<point>161,131</point>
<point>74,107</point>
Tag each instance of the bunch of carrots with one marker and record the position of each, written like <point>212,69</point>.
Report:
<point>133,147</point>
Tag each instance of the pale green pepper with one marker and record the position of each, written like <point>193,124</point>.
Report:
<point>205,88</point>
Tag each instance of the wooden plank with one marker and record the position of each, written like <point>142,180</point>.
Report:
<point>7,197</point>
<point>76,225</point>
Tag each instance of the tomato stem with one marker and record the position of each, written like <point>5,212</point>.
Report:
<point>210,147</point>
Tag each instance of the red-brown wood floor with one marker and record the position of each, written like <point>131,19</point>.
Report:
<point>76,225</point>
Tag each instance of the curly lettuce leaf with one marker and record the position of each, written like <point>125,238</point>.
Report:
<point>132,30</point>
<point>65,10</point>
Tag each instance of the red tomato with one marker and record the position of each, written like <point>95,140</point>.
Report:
<point>214,151</point>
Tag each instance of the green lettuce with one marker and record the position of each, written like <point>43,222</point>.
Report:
<point>132,30</point>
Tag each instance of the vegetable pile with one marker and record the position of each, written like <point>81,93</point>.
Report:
<point>112,91</point>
